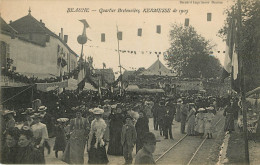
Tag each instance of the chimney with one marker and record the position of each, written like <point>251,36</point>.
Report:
<point>65,38</point>
<point>61,34</point>
<point>11,21</point>
<point>42,22</point>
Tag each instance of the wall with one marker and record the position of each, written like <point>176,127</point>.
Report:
<point>32,58</point>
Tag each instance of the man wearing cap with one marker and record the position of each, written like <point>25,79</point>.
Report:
<point>128,139</point>
<point>161,114</point>
<point>155,111</point>
<point>144,156</point>
<point>168,118</point>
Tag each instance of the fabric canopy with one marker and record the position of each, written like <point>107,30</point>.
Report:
<point>45,87</point>
<point>132,88</point>
<point>254,93</point>
<point>135,89</point>
<point>158,69</point>
<point>89,87</point>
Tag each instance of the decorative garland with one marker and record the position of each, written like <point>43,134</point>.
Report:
<point>31,80</point>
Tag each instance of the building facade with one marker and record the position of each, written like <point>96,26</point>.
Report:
<point>34,49</point>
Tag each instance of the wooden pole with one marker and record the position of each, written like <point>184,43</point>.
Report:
<point>242,83</point>
<point>120,76</point>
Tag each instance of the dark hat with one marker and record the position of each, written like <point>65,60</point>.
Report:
<point>149,137</point>
<point>118,105</point>
<point>162,103</point>
<point>128,116</point>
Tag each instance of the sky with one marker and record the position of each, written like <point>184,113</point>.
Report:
<point>103,17</point>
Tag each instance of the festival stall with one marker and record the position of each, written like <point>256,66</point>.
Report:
<point>136,89</point>
<point>253,98</point>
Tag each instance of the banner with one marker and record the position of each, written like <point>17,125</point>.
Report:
<point>45,86</point>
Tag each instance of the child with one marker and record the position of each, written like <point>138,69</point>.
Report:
<point>209,116</point>
<point>128,139</point>
<point>199,120</point>
<point>145,155</point>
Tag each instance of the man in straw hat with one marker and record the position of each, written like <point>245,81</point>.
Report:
<point>144,156</point>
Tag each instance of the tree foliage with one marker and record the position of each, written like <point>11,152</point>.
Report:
<point>249,45</point>
<point>189,54</point>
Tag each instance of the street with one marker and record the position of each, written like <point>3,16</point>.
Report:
<point>208,153</point>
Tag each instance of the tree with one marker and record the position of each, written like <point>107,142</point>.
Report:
<point>189,54</point>
<point>249,46</point>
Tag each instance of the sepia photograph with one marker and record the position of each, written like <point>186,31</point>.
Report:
<point>130,82</point>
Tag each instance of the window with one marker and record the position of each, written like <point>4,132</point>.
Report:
<point>209,15</point>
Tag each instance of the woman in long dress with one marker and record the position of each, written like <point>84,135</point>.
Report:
<point>115,128</point>
<point>141,127</point>
<point>60,140</point>
<point>96,145</point>
<point>229,121</point>
<point>79,128</point>
<point>191,120</point>
<point>178,110</point>
<point>199,120</point>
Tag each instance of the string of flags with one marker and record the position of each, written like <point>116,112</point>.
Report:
<point>158,29</point>
<point>120,33</point>
<point>139,33</point>
<point>165,53</point>
<point>131,51</point>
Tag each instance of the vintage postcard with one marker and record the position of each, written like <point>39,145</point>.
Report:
<point>122,82</point>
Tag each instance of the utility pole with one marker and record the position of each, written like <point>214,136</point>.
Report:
<point>120,76</point>
<point>242,82</point>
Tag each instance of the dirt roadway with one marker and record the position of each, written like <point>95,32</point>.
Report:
<point>208,154</point>
<point>182,153</point>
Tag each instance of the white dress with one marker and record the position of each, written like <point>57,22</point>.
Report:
<point>200,123</point>
<point>208,122</point>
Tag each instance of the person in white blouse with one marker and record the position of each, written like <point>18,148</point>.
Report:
<point>40,132</point>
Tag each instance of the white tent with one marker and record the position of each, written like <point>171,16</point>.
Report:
<point>89,87</point>
<point>158,69</point>
<point>132,88</point>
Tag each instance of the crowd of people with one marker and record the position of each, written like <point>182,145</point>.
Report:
<point>111,127</point>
